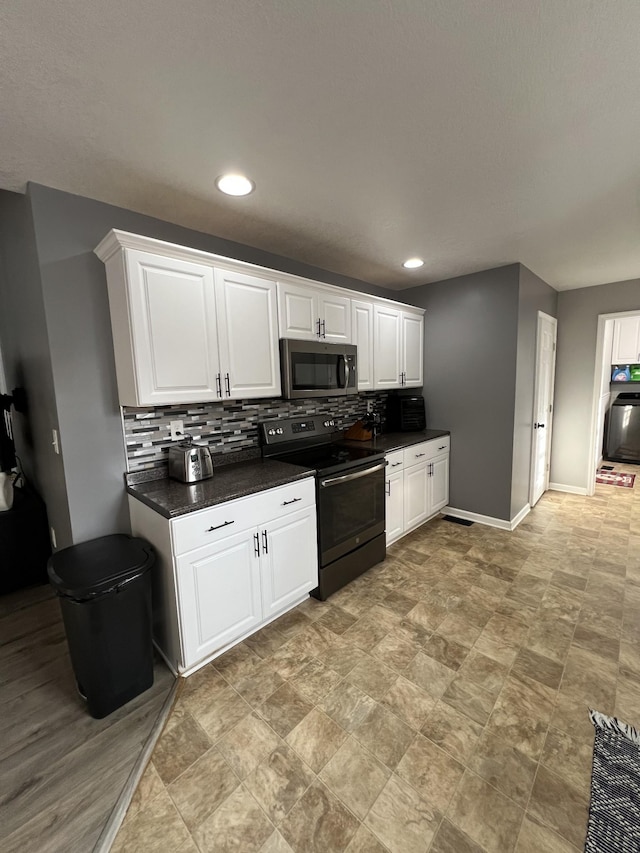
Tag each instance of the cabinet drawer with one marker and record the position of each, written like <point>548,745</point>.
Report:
<point>206,526</point>
<point>395,462</point>
<point>426,450</point>
<point>275,503</point>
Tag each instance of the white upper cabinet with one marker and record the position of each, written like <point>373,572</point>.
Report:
<point>362,337</point>
<point>248,335</point>
<point>387,356</point>
<point>309,314</point>
<point>626,340</point>
<point>398,342</point>
<point>412,349</point>
<point>192,327</point>
<point>164,326</point>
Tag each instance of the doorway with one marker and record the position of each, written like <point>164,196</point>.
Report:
<point>545,371</point>
<point>602,388</point>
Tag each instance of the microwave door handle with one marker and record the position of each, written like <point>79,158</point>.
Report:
<point>343,372</point>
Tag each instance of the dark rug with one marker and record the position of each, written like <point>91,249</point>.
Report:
<point>614,810</point>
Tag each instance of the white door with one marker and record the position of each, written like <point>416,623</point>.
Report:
<point>362,337</point>
<point>412,349</point>
<point>297,312</point>
<point>219,594</point>
<point>626,341</point>
<point>289,562</point>
<point>394,507</point>
<point>248,329</point>
<point>542,406</point>
<point>387,357</point>
<point>416,495</point>
<point>173,325</point>
<point>438,483</point>
<point>335,318</point>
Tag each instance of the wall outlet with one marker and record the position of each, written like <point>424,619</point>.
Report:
<point>369,406</point>
<point>177,430</point>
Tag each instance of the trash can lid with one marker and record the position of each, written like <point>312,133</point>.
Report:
<point>94,567</point>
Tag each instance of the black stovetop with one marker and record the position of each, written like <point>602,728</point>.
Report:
<point>330,457</point>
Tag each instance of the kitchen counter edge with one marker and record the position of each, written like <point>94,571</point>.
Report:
<point>390,441</point>
<point>171,498</point>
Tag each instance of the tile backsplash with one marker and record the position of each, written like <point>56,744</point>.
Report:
<point>227,426</point>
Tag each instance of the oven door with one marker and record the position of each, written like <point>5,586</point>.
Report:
<point>351,510</point>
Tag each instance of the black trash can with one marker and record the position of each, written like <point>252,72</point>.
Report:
<point>104,587</point>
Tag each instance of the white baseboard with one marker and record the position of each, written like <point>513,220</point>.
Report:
<point>520,516</point>
<point>489,520</point>
<point>572,490</point>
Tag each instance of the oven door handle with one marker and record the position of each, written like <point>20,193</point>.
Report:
<point>333,481</point>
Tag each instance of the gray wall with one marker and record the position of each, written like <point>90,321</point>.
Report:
<point>27,361</point>
<point>470,379</point>
<point>578,312</point>
<point>534,295</point>
<point>74,299</point>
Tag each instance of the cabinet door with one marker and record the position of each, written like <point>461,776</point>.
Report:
<point>362,337</point>
<point>248,329</point>
<point>394,506</point>
<point>289,562</point>
<point>387,357</point>
<point>416,495</point>
<point>335,318</point>
<point>412,348</point>
<point>173,329</point>
<point>626,341</point>
<point>218,594</point>
<point>297,312</point>
<point>438,483</point>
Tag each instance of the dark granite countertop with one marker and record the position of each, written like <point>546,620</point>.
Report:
<point>397,440</point>
<point>171,498</point>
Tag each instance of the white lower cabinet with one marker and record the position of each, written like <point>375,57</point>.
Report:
<point>219,595</point>
<point>223,572</point>
<point>395,506</point>
<point>417,485</point>
<point>288,560</point>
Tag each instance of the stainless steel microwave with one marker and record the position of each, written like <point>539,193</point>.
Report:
<point>316,369</point>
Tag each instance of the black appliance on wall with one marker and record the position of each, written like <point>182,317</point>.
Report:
<point>350,496</point>
<point>317,369</point>
<point>405,413</point>
<point>623,429</point>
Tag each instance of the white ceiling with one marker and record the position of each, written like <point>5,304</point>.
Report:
<point>471,132</point>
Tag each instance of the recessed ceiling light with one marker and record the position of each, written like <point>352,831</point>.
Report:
<point>413,263</point>
<point>235,185</point>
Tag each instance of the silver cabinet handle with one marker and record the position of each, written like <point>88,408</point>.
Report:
<point>418,455</point>
<point>444,446</point>
<point>218,386</point>
<point>218,526</point>
<point>265,544</point>
<point>318,327</point>
<point>395,464</point>
<point>324,333</point>
<point>227,384</point>
<point>388,487</point>
<point>355,476</point>
<point>256,545</point>
<point>295,500</point>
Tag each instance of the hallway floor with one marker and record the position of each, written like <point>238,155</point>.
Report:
<point>61,771</point>
<point>438,703</point>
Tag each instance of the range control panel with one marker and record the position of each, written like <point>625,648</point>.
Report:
<point>297,429</point>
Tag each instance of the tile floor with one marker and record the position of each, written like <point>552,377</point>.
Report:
<point>438,703</point>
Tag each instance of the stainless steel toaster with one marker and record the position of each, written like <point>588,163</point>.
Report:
<point>190,462</point>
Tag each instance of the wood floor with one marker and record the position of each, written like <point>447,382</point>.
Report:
<point>61,772</point>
